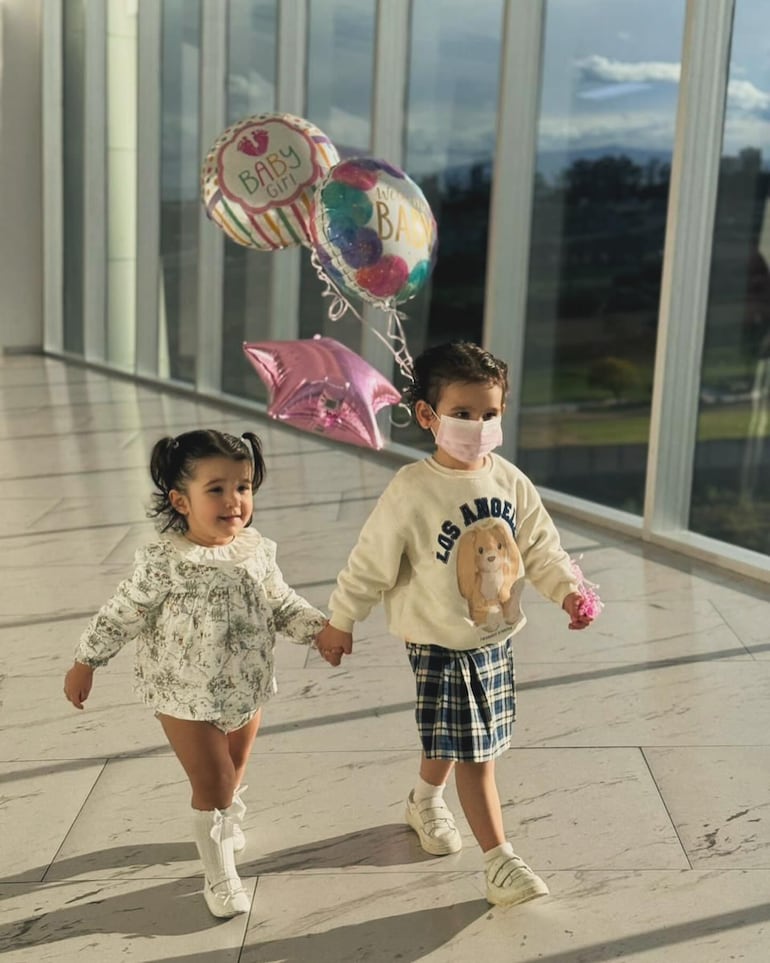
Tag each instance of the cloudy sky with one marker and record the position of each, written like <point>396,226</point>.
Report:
<point>612,72</point>
<point>610,78</point>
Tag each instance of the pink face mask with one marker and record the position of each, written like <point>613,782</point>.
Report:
<point>468,441</point>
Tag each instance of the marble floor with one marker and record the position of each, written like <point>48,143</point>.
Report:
<point>638,786</point>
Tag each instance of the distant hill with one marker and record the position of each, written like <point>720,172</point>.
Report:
<point>551,163</point>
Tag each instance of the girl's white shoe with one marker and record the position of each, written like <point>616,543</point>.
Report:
<point>223,890</point>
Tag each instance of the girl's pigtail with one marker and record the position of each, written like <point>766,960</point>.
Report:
<point>160,463</point>
<point>161,471</point>
<point>256,455</point>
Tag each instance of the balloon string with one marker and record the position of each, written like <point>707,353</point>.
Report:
<point>394,338</point>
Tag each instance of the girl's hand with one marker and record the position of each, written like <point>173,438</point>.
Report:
<point>573,606</point>
<point>333,644</point>
<point>77,684</point>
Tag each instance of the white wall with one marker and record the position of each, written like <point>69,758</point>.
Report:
<point>21,213</point>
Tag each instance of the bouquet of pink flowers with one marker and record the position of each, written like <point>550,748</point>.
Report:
<point>592,605</point>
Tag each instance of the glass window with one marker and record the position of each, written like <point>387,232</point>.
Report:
<point>454,68</point>
<point>340,64</point>
<point>251,47</point>
<point>605,139</point>
<point>179,188</point>
<point>731,481</point>
<point>73,135</point>
<point>451,124</point>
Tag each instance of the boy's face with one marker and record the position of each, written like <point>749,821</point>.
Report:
<point>467,402</point>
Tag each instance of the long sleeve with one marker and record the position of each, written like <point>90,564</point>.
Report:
<point>546,564</point>
<point>373,566</point>
<point>124,616</point>
<point>294,616</point>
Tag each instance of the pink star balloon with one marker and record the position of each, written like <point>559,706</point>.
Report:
<point>319,385</point>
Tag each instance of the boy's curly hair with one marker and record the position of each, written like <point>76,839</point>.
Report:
<point>454,361</point>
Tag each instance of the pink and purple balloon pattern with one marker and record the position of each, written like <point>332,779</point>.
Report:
<point>378,271</point>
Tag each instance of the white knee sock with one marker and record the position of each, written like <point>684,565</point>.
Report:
<point>425,790</point>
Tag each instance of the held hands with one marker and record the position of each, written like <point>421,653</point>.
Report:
<point>77,684</point>
<point>333,644</point>
<point>574,607</point>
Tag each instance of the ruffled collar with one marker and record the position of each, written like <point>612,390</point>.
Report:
<point>241,548</point>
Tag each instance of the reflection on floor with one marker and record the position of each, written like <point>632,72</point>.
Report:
<point>638,785</point>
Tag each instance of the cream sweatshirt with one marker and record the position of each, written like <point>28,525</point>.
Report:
<point>448,552</point>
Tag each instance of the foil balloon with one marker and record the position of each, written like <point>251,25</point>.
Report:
<point>373,224</point>
<point>320,386</point>
<point>258,179</point>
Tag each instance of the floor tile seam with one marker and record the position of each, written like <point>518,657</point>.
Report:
<point>126,674</point>
<point>665,805</point>
<point>344,873</point>
<point>695,658</point>
<point>67,617</point>
<point>725,619</point>
<point>84,759</point>
<point>74,880</point>
<point>273,506</point>
<point>70,403</point>
<point>166,427</point>
<point>75,819</point>
<point>523,685</point>
<point>68,474</point>
<point>421,870</point>
<point>127,535</point>
<point>404,747</point>
<point>44,512</point>
<point>655,663</point>
<point>154,752</point>
<point>76,529</point>
<point>245,931</point>
<point>139,520</point>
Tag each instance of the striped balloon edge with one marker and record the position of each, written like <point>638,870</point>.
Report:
<point>230,224</point>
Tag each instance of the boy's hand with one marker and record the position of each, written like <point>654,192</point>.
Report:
<point>573,605</point>
<point>77,684</point>
<point>333,644</point>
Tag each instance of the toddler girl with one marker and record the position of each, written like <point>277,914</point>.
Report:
<point>204,604</point>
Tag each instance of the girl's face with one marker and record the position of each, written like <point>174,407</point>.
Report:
<point>217,501</point>
<point>468,402</point>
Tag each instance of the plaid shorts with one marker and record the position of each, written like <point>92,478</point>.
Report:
<point>466,700</point>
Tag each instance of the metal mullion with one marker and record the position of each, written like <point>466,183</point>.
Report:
<point>95,183</point>
<point>510,208</point>
<point>53,176</point>
<point>148,187</point>
<point>686,265</point>
<point>208,374</point>
<point>290,98</point>
<point>391,60</point>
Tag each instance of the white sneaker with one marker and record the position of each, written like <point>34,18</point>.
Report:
<point>511,881</point>
<point>433,822</point>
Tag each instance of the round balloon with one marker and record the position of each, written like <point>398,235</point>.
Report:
<point>258,179</point>
<point>374,225</point>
